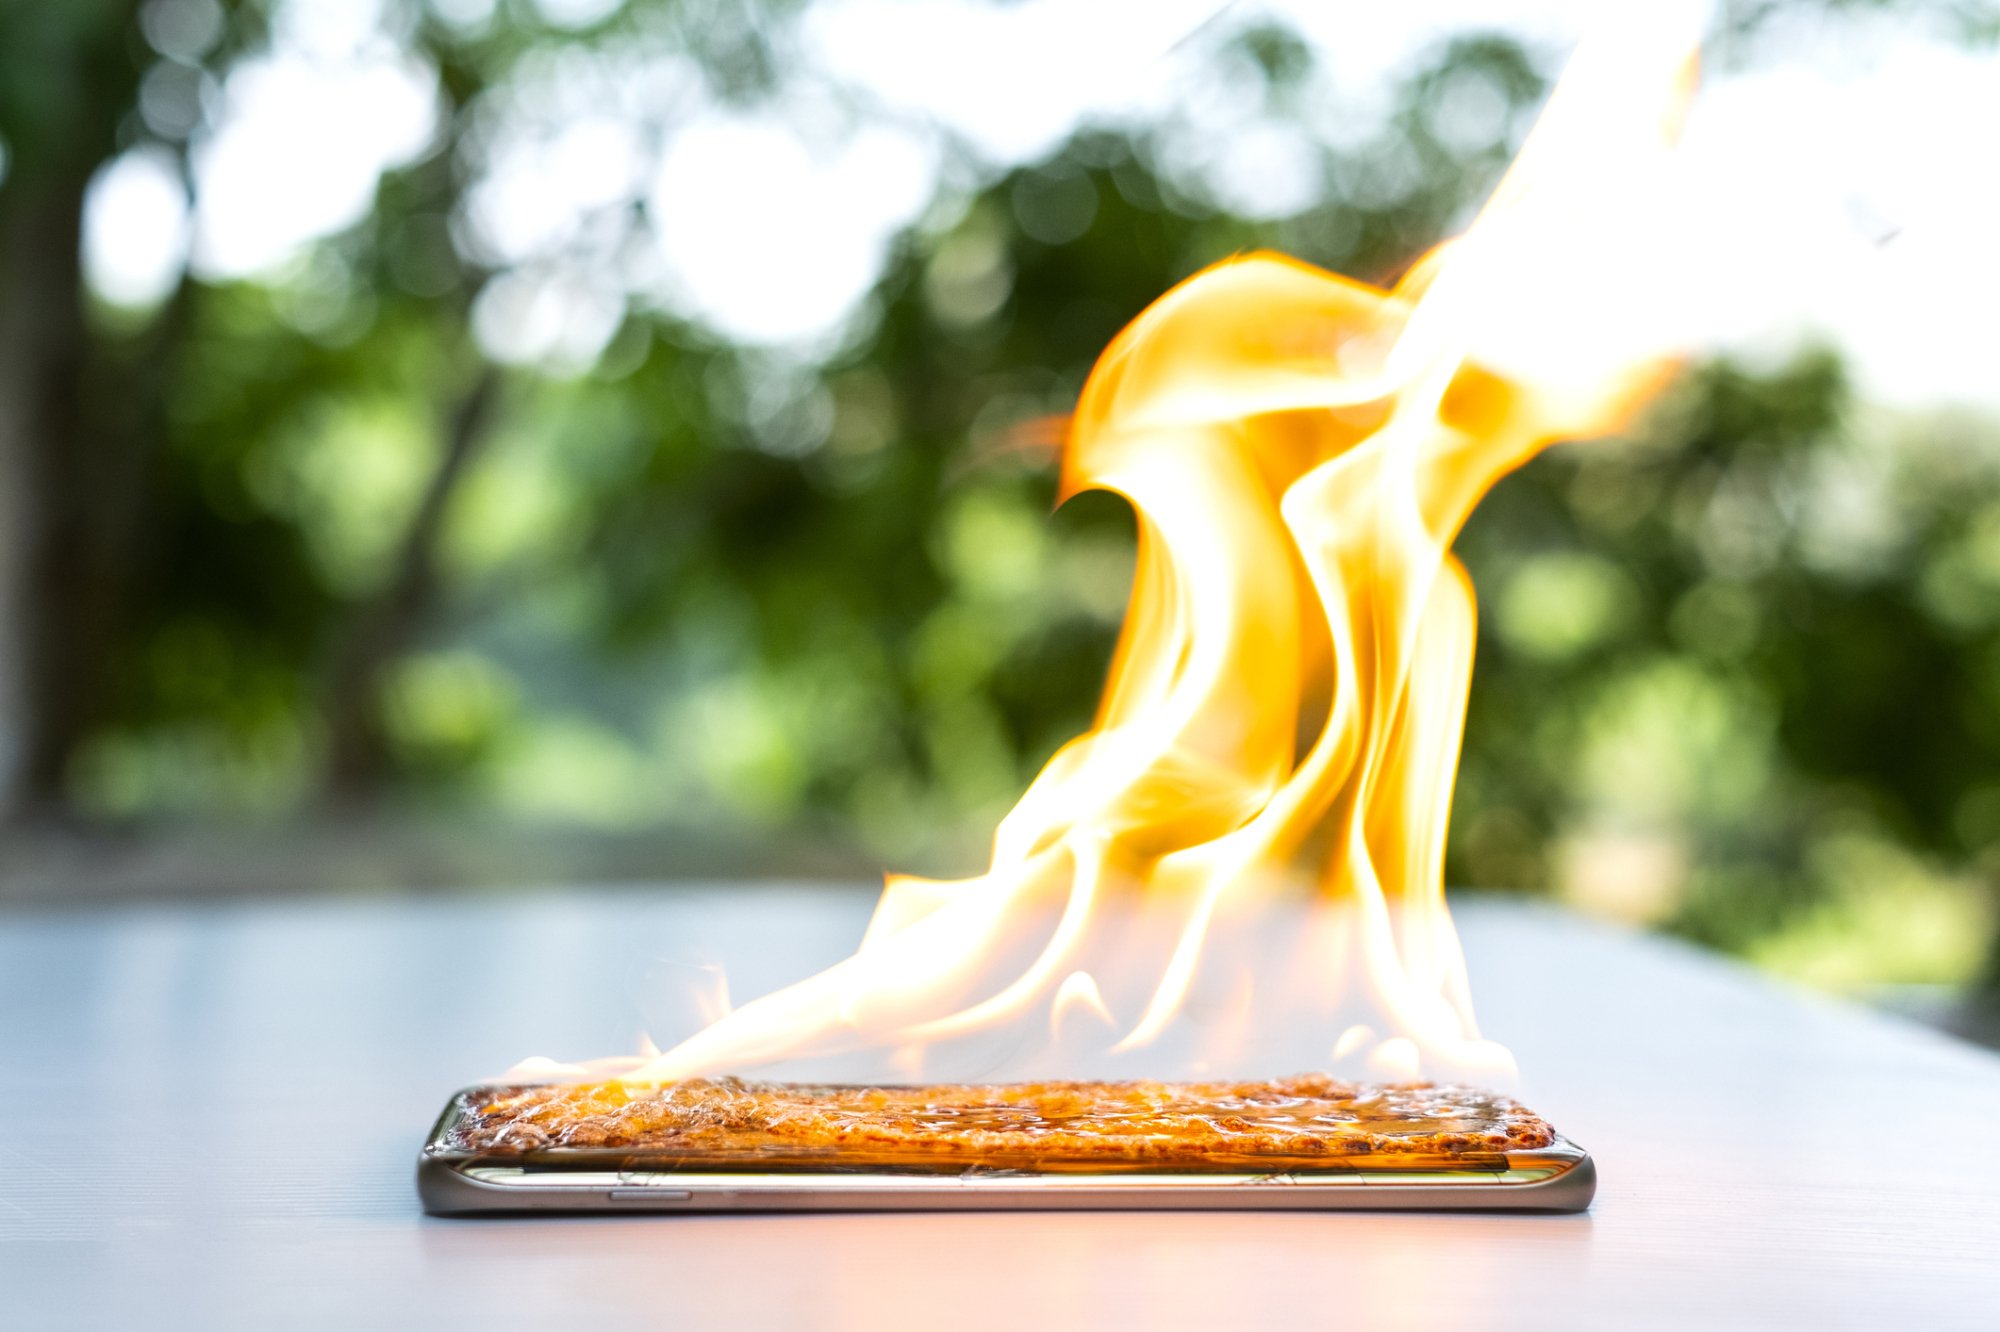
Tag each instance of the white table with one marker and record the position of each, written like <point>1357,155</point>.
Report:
<point>208,1115</point>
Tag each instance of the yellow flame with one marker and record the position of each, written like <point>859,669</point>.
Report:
<point>1242,859</point>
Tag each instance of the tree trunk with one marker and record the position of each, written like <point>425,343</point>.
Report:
<point>71,444</point>
<point>358,758</point>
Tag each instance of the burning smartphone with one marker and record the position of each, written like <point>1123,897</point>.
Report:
<point>724,1145</point>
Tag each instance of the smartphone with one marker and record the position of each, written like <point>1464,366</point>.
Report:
<point>455,1182</point>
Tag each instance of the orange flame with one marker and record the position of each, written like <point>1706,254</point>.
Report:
<point>1240,864</point>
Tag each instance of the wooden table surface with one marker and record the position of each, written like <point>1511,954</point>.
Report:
<point>210,1114</point>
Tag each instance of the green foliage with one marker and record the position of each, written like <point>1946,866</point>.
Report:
<point>1735,656</point>
<point>1736,671</point>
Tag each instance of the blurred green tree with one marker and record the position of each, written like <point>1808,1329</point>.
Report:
<point>302,540</point>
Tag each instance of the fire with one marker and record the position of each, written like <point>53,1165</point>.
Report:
<point>1239,866</point>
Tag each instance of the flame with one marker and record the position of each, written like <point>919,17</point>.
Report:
<point>1240,863</point>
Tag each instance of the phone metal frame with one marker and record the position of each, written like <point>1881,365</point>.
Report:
<point>450,1182</point>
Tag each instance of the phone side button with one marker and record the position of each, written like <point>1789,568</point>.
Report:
<point>651,1195</point>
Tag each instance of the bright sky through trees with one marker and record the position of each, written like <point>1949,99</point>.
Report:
<point>1840,168</point>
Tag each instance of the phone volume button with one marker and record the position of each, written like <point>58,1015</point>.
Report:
<point>651,1195</point>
